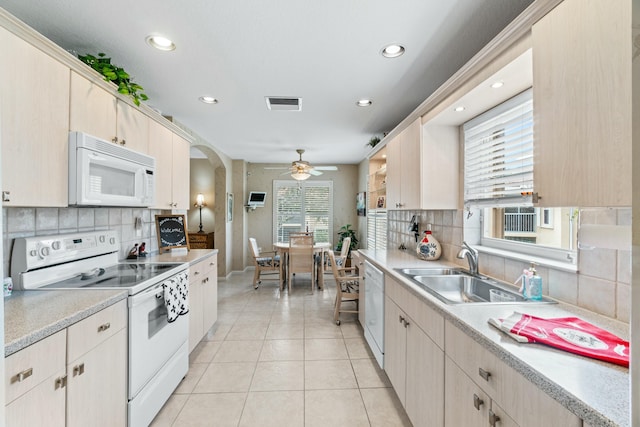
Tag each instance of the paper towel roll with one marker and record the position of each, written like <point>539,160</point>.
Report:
<point>604,237</point>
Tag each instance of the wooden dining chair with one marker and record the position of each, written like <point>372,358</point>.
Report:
<point>347,288</point>
<point>267,262</point>
<point>301,259</point>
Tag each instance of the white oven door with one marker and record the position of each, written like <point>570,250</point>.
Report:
<point>152,339</point>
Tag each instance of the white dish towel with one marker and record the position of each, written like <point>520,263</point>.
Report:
<point>176,295</point>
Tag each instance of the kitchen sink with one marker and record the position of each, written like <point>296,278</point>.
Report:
<point>456,286</point>
<point>431,271</point>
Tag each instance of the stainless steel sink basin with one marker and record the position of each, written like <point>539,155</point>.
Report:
<point>459,287</point>
<point>431,271</point>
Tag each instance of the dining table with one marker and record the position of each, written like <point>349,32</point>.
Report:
<point>318,248</point>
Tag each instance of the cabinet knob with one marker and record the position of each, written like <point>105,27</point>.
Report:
<point>78,369</point>
<point>6,196</point>
<point>114,139</point>
<point>493,418</point>
<point>104,327</point>
<point>123,142</point>
<point>21,376</point>
<point>196,273</point>
<point>477,402</point>
<point>484,374</point>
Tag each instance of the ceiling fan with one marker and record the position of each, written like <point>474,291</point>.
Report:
<point>302,169</point>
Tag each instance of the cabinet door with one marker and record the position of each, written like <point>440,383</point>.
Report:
<point>210,295</point>
<point>35,125</point>
<point>498,417</point>
<point>394,173</point>
<point>424,400</point>
<point>180,173</point>
<point>44,405</point>
<point>582,103</point>
<point>161,148</point>
<point>97,385</point>
<point>132,128</point>
<point>92,109</point>
<point>411,180</point>
<point>395,347</point>
<point>465,403</point>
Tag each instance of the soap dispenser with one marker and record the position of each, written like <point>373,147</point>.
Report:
<point>532,284</point>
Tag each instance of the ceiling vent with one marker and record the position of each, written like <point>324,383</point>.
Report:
<point>281,103</point>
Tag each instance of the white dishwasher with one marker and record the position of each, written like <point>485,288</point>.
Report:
<point>374,311</point>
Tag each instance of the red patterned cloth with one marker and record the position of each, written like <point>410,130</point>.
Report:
<point>571,334</point>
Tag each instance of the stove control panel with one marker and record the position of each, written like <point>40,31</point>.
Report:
<point>44,251</point>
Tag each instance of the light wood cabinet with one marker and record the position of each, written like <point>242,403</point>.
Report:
<point>582,104</point>
<point>97,369</point>
<point>403,168</point>
<point>514,399</point>
<point>35,118</point>
<point>414,363</point>
<point>97,112</point>
<point>203,298</point>
<point>172,167</point>
<point>76,377</point>
<point>33,379</point>
<point>376,199</point>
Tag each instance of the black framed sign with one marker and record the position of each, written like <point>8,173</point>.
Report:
<point>172,232</point>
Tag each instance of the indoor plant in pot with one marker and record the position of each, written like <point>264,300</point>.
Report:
<point>346,231</point>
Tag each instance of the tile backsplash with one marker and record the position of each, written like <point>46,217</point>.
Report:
<point>602,283</point>
<point>27,222</point>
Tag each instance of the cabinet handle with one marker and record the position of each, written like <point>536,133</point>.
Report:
<point>6,196</point>
<point>477,402</point>
<point>78,369</point>
<point>196,273</point>
<point>493,418</point>
<point>60,382</point>
<point>400,319</point>
<point>104,327</point>
<point>212,263</point>
<point>484,374</point>
<point>406,323</point>
<point>114,139</point>
<point>21,376</point>
<point>123,142</point>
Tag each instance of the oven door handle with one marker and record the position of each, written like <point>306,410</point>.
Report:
<point>154,292</point>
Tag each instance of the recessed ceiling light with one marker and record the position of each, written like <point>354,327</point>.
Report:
<point>364,102</point>
<point>208,99</point>
<point>497,84</point>
<point>459,109</point>
<point>160,43</point>
<point>392,51</point>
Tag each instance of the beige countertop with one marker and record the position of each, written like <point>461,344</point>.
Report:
<point>597,392</point>
<point>177,255</point>
<point>30,316</point>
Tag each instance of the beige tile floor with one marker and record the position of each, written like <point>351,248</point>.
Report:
<point>279,360</point>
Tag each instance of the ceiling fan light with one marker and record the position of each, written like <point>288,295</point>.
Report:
<point>300,176</point>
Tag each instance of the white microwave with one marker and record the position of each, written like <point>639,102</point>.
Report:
<point>102,173</point>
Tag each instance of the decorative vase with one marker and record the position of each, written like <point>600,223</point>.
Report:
<point>429,248</point>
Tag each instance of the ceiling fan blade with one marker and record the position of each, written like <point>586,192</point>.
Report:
<point>280,168</point>
<point>314,172</point>
<point>326,168</point>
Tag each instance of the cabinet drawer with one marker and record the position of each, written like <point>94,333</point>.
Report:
<point>87,334</point>
<point>479,364</point>
<point>210,265</point>
<point>29,367</point>
<point>197,271</point>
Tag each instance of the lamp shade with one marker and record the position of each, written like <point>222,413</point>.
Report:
<point>200,200</point>
<point>300,176</point>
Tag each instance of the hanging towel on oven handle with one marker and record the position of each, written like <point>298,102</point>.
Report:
<point>176,295</point>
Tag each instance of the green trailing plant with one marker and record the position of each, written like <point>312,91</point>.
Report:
<point>373,141</point>
<point>346,231</point>
<point>115,74</point>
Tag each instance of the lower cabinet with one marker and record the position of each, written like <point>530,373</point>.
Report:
<point>203,298</point>
<point>415,367</point>
<point>76,377</point>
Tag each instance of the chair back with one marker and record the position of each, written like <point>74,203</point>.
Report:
<point>300,233</point>
<point>334,268</point>
<point>301,253</point>
<point>253,246</point>
<point>346,244</point>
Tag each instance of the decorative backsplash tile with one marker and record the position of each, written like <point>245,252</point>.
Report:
<point>601,284</point>
<point>27,222</point>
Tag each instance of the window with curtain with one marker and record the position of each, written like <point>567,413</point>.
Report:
<point>301,206</point>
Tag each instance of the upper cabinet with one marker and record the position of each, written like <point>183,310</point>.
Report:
<point>172,167</point>
<point>34,121</point>
<point>99,113</point>
<point>378,180</point>
<point>582,104</point>
<point>403,169</point>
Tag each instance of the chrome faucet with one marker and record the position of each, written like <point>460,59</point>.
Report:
<point>471,255</point>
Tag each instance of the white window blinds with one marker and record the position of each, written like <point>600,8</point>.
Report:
<point>498,154</point>
<point>303,205</point>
